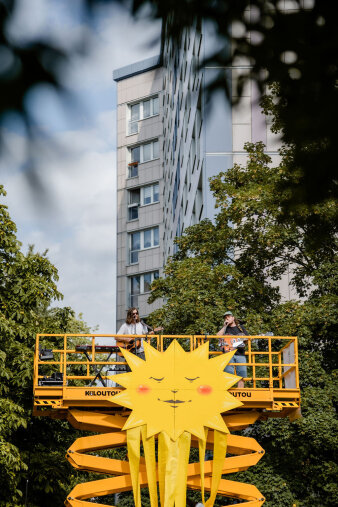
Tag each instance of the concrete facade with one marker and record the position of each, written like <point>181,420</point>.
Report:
<point>197,139</point>
<point>139,184</point>
<point>202,138</point>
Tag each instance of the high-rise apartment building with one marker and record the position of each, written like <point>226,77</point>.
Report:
<point>139,183</point>
<point>170,142</point>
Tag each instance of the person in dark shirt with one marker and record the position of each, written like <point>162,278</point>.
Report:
<point>233,327</point>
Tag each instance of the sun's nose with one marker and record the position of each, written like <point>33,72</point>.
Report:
<point>174,391</point>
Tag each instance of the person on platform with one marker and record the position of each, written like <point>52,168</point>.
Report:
<point>133,326</point>
<point>232,327</point>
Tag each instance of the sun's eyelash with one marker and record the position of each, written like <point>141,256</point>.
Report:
<point>191,379</point>
<point>157,379</point>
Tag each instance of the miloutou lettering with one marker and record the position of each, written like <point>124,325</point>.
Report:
<point>242,394</point>
<point>101,393</point>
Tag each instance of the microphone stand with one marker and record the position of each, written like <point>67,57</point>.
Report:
<point>146,325</point>
<point>134,340</point>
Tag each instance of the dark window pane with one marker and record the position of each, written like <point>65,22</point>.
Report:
<point>156,238</point>
<point>133,257</point>
<point>134,301</point>
<point>147,282</point>
<point>146,108</point>
<point>133,127</point>
<point>134,196</point>
<point>156,192</point>
<point>135,154</point>
<point>135,112</point>
<point>155,105</point>
<point>147,238</point>
<point>135,285</point>
<point>132,171</point>
<point>156,153</point>
<point>133,213</point>
<point>135,241</point>
<point>147,194</point>
<point>146,152</point>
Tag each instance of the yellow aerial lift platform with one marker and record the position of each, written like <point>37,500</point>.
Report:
<point>73,380</point>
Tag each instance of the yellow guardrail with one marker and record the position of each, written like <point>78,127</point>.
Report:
<point>272,361</point>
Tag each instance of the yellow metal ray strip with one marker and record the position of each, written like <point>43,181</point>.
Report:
<point>181,480</point>
<point>201,451</point>
<point>133,445</point>
<point>149,452</point>
<point>220,447</point>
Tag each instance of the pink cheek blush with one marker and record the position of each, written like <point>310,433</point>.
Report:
<point>143,389</point>
<point>204,389</point>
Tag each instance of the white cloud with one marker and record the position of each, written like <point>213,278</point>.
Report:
<point>118,40</point>
<point>78,225</point>
<point>75,218</point>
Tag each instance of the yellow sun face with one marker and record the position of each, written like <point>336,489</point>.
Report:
<point>176,391</point>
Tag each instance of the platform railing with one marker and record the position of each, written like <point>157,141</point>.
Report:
<point>272,361</point>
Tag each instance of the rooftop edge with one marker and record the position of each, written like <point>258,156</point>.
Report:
<point>137,68</point>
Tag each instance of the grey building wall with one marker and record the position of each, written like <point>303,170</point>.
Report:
<point>198,139</point>
<point>138,84</point>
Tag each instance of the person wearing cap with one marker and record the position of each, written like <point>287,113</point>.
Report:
<point>233,327</point>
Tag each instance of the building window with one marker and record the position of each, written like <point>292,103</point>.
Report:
<point>142,153</point>
<point>134,110</point>
<point>142,240</point>
<point>176,185</point>
<point>150,194</point>
<point>140,284</point>
<point>140,111</point>
<point>133,203</point>
<point>178,233</point>
<point>134,162</point>
<point>143,195</point>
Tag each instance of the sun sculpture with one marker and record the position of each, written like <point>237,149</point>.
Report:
<point>174,395</point>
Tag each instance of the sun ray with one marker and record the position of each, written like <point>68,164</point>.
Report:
<point>222,360</point>
<point>171,347</point>
<point>133,360</point>
<point>150,352</point>
<point>230,380</point>
<point>201,352</point>
<point>229,402</point>
<point>123,379</point>
<point>217,423</point>
<point>198,431</point>
<point>133,420</point>
<point>123,398</point>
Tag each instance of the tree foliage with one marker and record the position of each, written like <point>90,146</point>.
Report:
<point>233,261</point>
<point>235,264</point>
<point>293,44</point>
<point>31,449</point>
<point>296,48</point>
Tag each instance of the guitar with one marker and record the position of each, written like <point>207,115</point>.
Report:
<point>131,346</point>
<point>230,342</point>
<point>135,343</point>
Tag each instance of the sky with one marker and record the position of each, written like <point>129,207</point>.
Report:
<point>72,212</point>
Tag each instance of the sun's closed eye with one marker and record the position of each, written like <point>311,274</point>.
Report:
<point>191,379</point>
<point>157,379</point>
